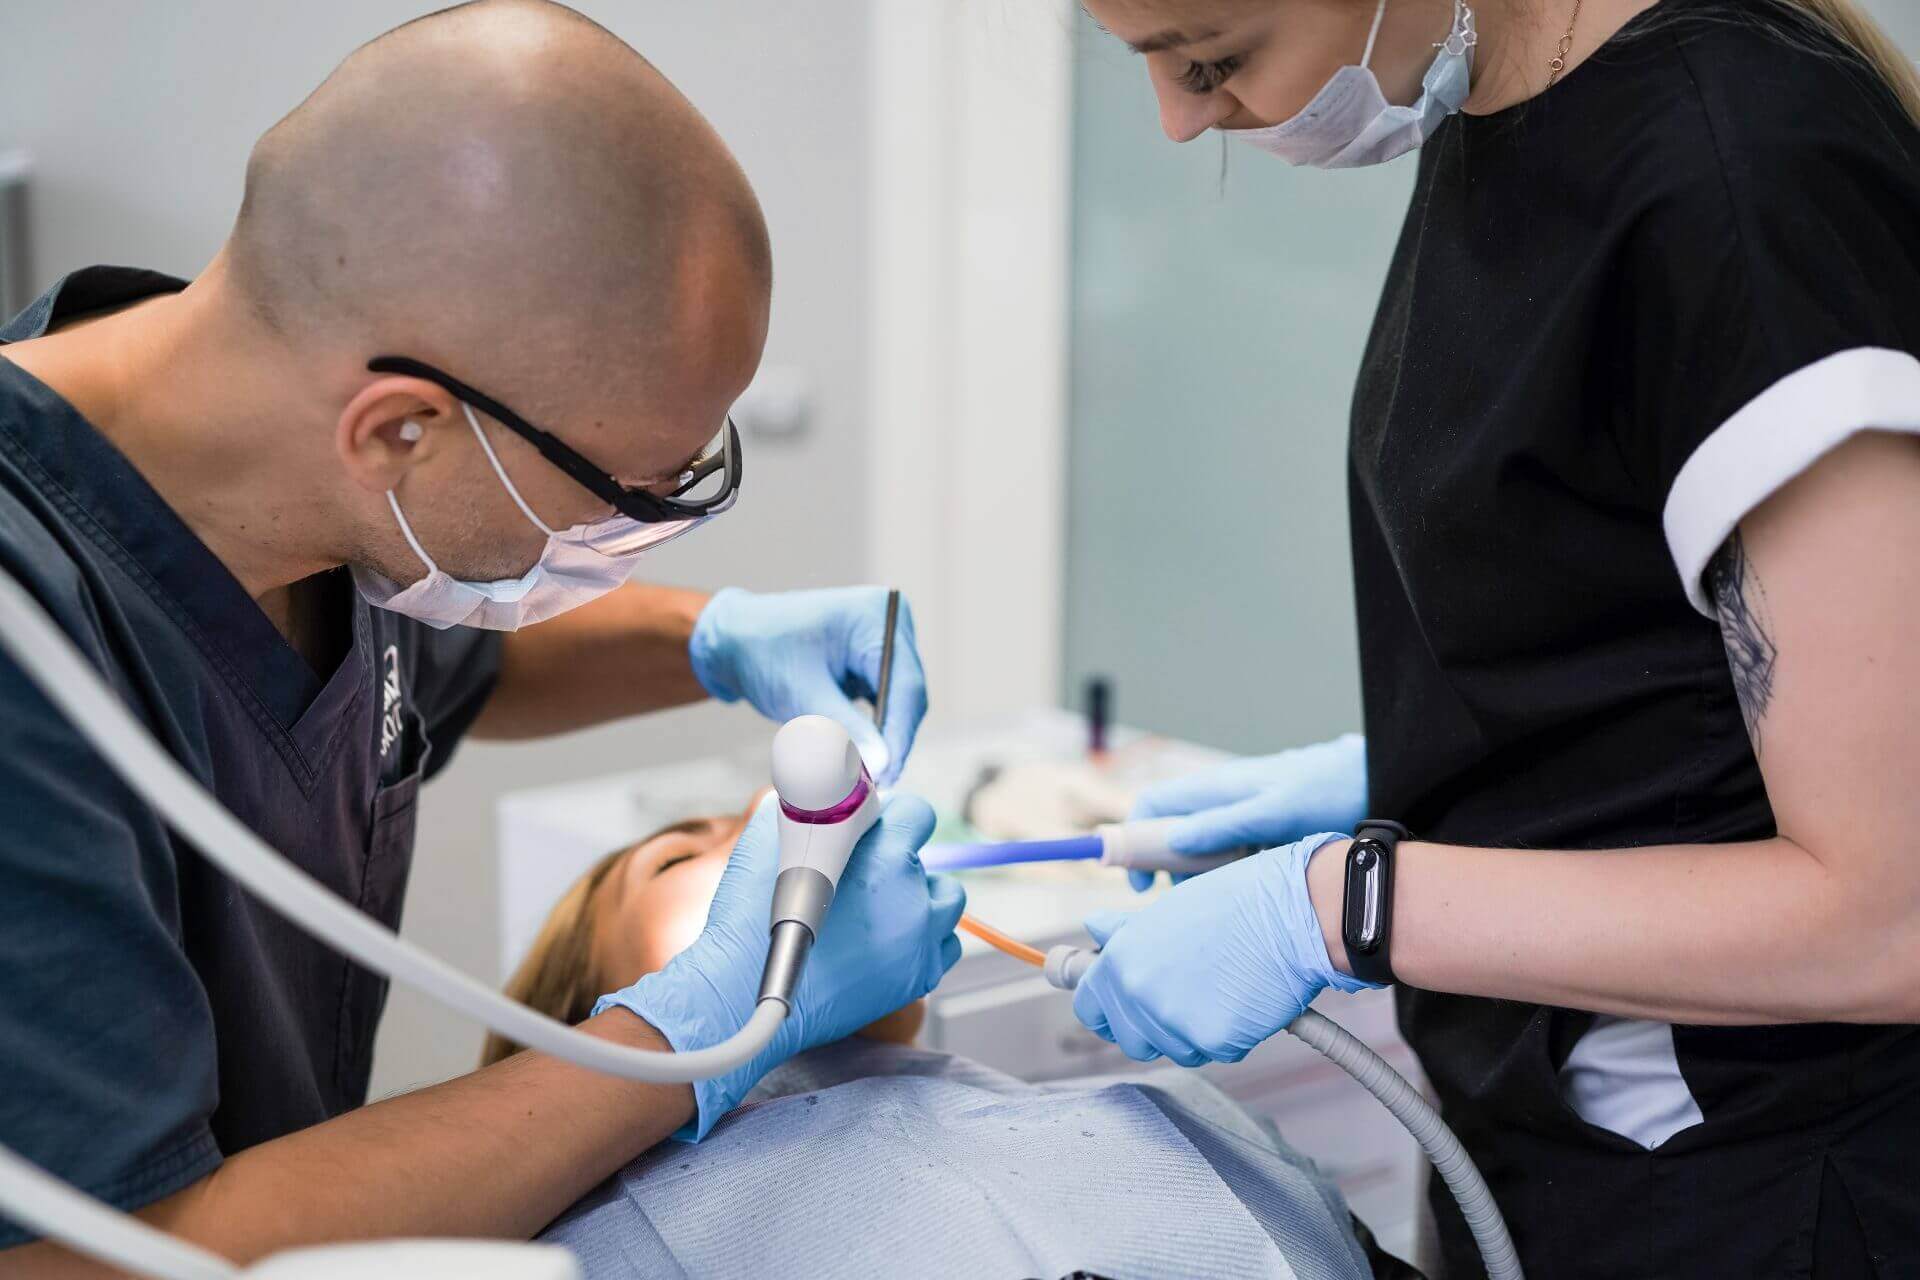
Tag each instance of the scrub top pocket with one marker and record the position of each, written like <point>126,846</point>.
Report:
<point>383,886</point>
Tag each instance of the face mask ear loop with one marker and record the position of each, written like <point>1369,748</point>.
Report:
<point>1366,59</point>
<point>501,471</point>
<point>1463,32</point>
<point>407,531</point>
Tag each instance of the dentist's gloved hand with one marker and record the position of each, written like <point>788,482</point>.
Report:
<point>887,940</point>
<point>1261,801</point>
<point>1215,966</point>
<point>812,652</point>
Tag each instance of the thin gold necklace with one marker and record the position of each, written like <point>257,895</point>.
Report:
<point>1558,67</point>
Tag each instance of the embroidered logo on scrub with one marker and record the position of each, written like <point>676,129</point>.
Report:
<point>390,700</point>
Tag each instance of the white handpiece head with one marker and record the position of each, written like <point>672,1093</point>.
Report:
<point>827,802</point>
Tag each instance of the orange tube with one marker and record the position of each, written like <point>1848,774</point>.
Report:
<point>994,938</point>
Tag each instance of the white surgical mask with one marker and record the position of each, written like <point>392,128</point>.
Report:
<point>1350,123</point>
<point>577,565</point>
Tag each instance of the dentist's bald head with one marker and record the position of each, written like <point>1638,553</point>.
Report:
<point>509,191</point>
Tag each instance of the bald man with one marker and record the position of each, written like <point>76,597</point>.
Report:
<point>376,478</point>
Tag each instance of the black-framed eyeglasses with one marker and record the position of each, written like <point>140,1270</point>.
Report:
<point>704,487</point>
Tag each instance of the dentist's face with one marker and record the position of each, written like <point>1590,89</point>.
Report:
<point>1244,64</point>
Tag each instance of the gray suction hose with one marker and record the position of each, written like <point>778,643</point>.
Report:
<point>1066,965</point>
<point>1377,1076</point>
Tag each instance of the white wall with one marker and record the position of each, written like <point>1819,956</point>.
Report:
<point>971,161</point>
<point>140,117</point>
<point>1221,302</point>
<point>1901,18</point>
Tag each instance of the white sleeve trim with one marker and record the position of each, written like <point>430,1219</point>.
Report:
<point>1777,435</point>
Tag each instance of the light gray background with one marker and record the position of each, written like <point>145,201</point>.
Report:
<point>1220,301</point>
<point>1217,329</point>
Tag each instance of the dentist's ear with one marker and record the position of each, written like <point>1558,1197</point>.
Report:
<point>388,428</point>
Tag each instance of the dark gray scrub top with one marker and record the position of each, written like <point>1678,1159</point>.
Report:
<point>153,1017</point>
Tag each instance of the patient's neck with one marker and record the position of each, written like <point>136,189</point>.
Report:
<point>899,1027</point>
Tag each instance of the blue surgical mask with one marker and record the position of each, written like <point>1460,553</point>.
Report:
<point>1350,123</point>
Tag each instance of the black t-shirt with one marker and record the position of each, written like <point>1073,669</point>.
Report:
<point>1619,317</point>
<point>153,1017</point>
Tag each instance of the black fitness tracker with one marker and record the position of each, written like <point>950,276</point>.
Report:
<point>1366,915</point>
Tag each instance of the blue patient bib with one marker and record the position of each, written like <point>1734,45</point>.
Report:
<point>877,1160</point>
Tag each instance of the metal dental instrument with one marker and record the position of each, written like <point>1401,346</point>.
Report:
<point>978,928</point>
<point>886,662</point>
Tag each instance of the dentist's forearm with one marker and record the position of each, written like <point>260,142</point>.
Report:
<point>621,655</point>
<point>498,1153</point>
<point>1752,933</point>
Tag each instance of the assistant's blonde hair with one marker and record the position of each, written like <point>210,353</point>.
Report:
<point>558,976</point>
<point>1847,23</point>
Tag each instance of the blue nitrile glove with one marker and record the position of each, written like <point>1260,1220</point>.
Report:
<point>887,940</point>
<point>1215,966</point>
<point>1262,801</point>
<point>795,653</point>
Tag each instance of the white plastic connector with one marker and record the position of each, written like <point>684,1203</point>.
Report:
<point>1067,964</point>
<point>1142,846</point>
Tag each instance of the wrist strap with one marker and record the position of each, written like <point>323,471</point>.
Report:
<point>1366,918</point>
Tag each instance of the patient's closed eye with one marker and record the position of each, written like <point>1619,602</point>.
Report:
<point>675,861</point>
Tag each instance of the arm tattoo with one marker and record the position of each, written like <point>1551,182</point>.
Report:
<point>1741,603</point>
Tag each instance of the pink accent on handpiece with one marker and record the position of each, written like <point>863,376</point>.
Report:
<point>839,812</point>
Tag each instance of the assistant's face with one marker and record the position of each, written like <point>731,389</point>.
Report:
<point>1244,64</point>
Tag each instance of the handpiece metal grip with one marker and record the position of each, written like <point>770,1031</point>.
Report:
<point>787,948</point>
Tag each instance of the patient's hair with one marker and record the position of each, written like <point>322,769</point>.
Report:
<point>558,977</point>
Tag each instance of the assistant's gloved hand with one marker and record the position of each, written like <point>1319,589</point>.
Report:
<point>1261,801</point>
<point>887,940</point>
<point>795,653</point>
<point>1215,966</point>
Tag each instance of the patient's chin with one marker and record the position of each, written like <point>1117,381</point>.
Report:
<point>898,1027</point>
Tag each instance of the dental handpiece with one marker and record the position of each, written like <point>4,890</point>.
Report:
<point>827,802</point>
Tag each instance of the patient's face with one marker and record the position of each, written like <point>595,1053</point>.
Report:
<point>654,904</point>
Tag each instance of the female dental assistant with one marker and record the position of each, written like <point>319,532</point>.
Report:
<point>1635,508</point>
